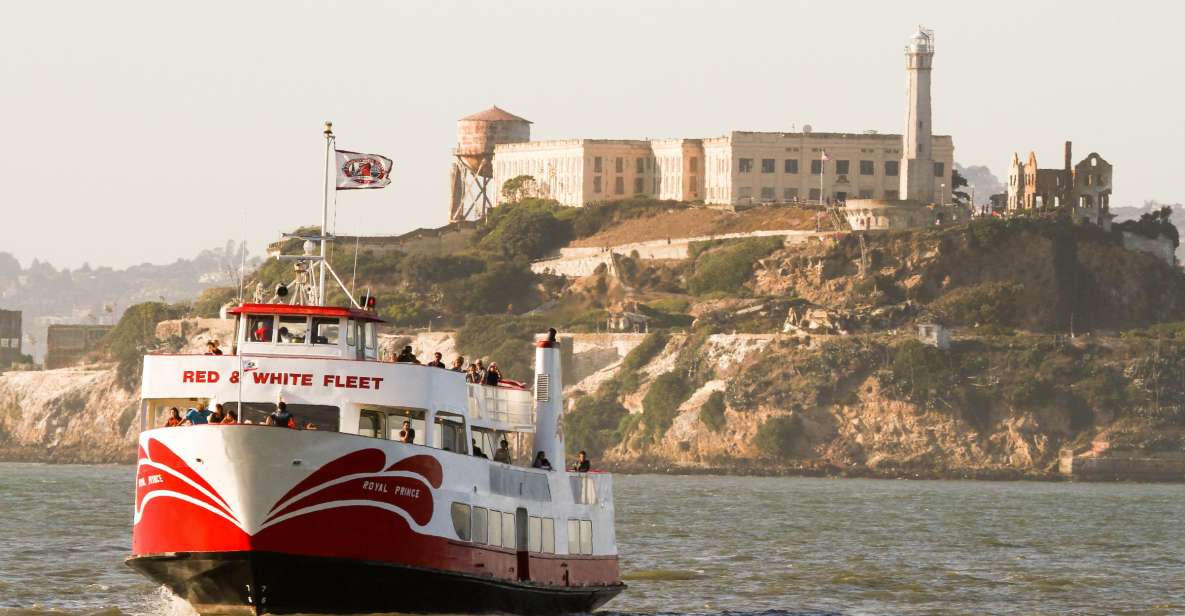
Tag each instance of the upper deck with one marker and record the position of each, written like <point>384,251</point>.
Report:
<point>321,331</point>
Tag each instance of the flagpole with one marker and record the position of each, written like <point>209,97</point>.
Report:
<point>325,211</point>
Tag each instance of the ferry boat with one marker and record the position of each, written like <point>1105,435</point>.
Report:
<point>339,515</point>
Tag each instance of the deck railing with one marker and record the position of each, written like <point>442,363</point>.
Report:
<point>514,407</point>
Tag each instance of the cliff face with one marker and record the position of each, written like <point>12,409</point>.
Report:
<point>68,415</point>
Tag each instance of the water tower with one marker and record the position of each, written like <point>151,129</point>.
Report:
<point>474,168</point>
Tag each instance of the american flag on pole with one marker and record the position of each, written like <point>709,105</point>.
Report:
<point>356,170</point>
<point>824,157</point>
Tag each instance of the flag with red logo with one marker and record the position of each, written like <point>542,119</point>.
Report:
<point>357,170</point>
<point>824,157</point>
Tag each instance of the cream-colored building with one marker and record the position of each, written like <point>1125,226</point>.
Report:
<point>740,168</point>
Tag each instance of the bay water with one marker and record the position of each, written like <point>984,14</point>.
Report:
<point>715,545</point>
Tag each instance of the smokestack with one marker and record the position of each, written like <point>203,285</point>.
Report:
<point>1069,156</point>
<point>549,401</point>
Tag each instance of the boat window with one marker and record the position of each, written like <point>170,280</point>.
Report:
<point>586,542</point>
<point>573,536</point>
<point>260,328</point>
<point>479,525</point>
<point>326,330</point>
<point>461,517</point>
<point>548,536</point>
<point>508,530</point>
<point>370,335</point>
<point>395,421</point>
<point>449,433</point>
<point>321,417</point>
<point>495,528</point>
<point>370,423</point>
<point>487,440</point>
<point>350,332</point>
<point>535,534</point>
<point>293,330</point>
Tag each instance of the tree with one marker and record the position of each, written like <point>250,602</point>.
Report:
<point>957,181</point>
<point>519,187</point>
<point>1154,224</point>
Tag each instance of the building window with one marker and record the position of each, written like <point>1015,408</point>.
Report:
<point>790,194</point>
<point>816,167</point>
<point>867,167</point>
<point>814,194</point>
<point>842,166</point>
<point>767,165</point>
<point>639,186</point>
<point>866,194</point>
<point>619,164</point>
<point>939,170</point>
<point>791,165</point>
<point>746,165</point>
<point>693,166</point>
<point>638,165</point>
<point>596,183</point>
<point>892,167</point>
<point>768,193</point>
<point>619,185</point>
<point>745,192</point>
<point>597,164</point>
<point>841,196</point>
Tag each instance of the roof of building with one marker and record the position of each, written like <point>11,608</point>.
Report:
<point>494,114</point>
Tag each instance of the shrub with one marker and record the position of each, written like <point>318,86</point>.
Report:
<point>661,404</point>
<point>641,355</point>
<point>503,288</point>
<point>421,271</point>
<point>593,424</point>
<point>135,333</point>
<point>210,302</point>
<point>508,340</point>
<point>727,268</point>
<point>922,373</point>
<point>528,229</point>
<point>989,303</point>
<point>778,435</point>
<point>712,412</point>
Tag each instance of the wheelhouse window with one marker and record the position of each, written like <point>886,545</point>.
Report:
<point>260,328</point>
<point>326,331</point>
<point>370,336</point>
<point>293,330</point>
<point>350,337</point>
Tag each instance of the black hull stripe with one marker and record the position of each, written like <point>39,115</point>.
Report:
<point>274,583</point>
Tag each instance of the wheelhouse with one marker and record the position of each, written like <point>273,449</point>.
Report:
<point>321,331</point>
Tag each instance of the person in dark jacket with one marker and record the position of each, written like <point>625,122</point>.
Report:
<point>582,463</point>
<point>493,375</point>
<point>542,462</point>
<point>406,356</point>
<point>436,360</point>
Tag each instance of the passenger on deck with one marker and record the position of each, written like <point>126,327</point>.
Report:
<point>493,375</point>
<point>406,356</point>
<point>582,464</point>
<point>477,450</point>
<point>231,418</point>
<point>195,417</point>
<point>502,453</point>
<point>458,364</point>
<point>481,372</point>
<point>212,348</point>
<point>175,419</point>
<point>542,462</point>
<point>279,417</point>
<point>436,360</point>
<point>474,375</point>
<point>407,434</point>
<point>219,414</point>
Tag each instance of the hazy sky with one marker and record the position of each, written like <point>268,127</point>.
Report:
<point>147,131</point>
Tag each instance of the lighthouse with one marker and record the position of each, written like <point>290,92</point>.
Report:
<point>917,157</point>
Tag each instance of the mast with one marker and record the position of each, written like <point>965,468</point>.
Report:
<point>325,211</point>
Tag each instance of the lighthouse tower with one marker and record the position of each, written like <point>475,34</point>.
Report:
<point>917,157</point>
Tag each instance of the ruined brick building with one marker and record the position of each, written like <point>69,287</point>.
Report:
<point>1085,188</point>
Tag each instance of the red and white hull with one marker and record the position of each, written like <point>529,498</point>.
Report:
<point>255,519</point>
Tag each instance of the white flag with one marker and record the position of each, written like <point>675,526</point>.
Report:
<point>356,170</point>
